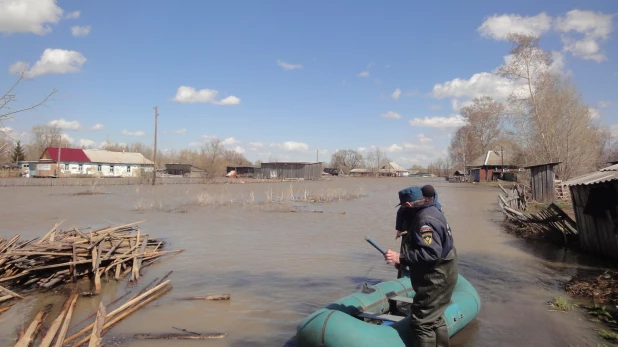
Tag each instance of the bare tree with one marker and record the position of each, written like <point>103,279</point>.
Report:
<point>550,119</point>
<point>347,159</point>
<point>528,67</point>
<point>10,96</point>
<point>376,159</point>
<point>484,117</point>
<point>44,136</point>
<point>464,147</point>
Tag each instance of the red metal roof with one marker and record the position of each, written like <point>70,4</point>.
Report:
<point>68,154</point>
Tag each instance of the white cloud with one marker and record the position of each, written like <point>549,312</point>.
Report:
<point>210,137</point>
<point>133,133</point>
<point>394,148</point>
<point>85,143</point>
<point>97,126</point>
<point>229,141</point>
<point>604,104</point>
<point>614,130</point>
<point>594,26</point>
<point>291,146</point>
<point>29,16</point>
<point>239,149</point>
<point>435,107</point>
<point>256,144</point>
<point>288,66</point>
<point>424,139</point>
<point>480,84</point>
<point>80,31</point>
<point>195,144</point>
<point>439,122</point>
<point>189,95</point>
<point>72,15</point>
<point>179,131</point>
<point>499,26</point>
<point>64,124</point>
<point>53,61</point>
<point>6,130</point>
<point>68,138</point>
<point>364,74</point>
<point>391,115</point>
<point>593,113</point>
<point>396,94</point>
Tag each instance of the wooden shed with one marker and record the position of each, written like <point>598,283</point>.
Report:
<point>542,178</point>
<point>595,201</point>
<point>291,170</point>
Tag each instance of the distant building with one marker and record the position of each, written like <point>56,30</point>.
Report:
<point>242,170</point>
<point>491,166</point>
<point>58,162</point>
<point>393,169</point>
<point>290,170</point>
<point>185,170</point>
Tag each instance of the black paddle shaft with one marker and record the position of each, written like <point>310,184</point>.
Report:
<point>375,245</point>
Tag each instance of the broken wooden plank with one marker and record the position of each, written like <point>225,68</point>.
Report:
<point>206,336</point>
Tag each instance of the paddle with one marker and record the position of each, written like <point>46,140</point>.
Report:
<point>375,245</point>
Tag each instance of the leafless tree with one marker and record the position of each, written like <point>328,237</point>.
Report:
<point>464,147</point>
<point>528,68</point>
<point>10,96</point>
<point>44,136</point>
<point>484,117</point>
<point>347,159</point>
<point>376,159</point>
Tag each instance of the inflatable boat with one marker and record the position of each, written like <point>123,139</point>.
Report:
<point>373,316</point>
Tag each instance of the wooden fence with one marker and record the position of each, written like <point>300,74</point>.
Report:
<point>52,182</point>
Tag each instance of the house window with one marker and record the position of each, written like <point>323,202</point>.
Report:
<point>128,169</point>
<point>99,169</point>
<point>80,167</point>
<point>66,167</point>
<point>111,168</point>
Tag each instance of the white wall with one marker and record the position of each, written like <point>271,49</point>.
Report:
<point>102,169</point>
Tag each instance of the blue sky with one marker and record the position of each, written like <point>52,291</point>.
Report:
<point>277,79</point>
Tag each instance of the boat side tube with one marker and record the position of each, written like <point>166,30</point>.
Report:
<point>336,324</point>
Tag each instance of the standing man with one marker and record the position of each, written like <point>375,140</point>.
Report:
<point>428,251</point>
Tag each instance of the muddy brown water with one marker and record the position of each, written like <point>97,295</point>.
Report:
<point>279,266</point>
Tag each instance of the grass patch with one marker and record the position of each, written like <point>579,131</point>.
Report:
<point>560,303</point>
<point>608,335</point>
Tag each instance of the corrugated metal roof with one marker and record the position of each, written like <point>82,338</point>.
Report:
<point>606,174</point>
<point>68,154</point>
<point>492,158</point>
<point>103,156</point>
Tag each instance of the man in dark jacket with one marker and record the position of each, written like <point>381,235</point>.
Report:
<point>429,253</point>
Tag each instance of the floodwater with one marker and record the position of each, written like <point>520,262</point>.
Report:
<point>279,266</point>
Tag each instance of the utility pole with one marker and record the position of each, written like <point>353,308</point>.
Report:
<point>154,166</point>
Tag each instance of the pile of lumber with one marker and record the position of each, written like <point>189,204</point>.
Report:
<point>63,256</point>
<point>551,222</point>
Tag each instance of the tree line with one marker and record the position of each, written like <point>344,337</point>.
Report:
<point>543,120</point>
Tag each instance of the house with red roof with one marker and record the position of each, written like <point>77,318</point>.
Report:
<point>56,162</point>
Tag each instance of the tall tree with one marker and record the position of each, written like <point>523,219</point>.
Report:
<point>18,153</point>
<point>10,96</point>
<point>550,119</point>
<point>484,117</point>
<point>347,159</point>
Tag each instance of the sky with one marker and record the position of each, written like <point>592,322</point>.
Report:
<point>288,80</point>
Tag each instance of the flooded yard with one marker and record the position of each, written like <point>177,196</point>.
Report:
<point>281,259</point>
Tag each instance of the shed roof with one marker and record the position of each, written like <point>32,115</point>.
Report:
<point>606,174</point>
<point>394,166</point>
<point>492,158</point>
<point>67,154</point>
<point>104,156</point>
<point>537,165</point>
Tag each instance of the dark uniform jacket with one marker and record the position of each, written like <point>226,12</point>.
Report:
<point>429,253</point>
